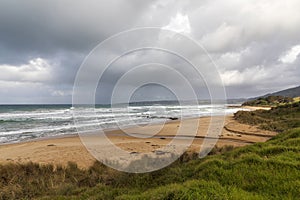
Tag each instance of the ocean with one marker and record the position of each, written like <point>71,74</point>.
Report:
<point>27,122</point>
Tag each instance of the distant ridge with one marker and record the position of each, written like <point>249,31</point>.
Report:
<point>291,92</point>
<point>274,99</point>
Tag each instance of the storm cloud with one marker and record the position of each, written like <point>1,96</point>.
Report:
<point>255,45</point>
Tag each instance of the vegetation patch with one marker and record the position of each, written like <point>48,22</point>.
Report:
<point>277,119</point>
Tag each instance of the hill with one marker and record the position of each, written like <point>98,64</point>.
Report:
<point>291,92</point>
<point>275,99</point>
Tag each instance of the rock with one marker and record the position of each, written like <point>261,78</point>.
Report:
<point>173,118</point>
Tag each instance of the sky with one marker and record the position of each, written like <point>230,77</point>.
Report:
<point>255,46</point>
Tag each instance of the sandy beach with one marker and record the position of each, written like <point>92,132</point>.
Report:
<point>61,150</point>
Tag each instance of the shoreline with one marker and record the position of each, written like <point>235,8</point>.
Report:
<point>59,150</point>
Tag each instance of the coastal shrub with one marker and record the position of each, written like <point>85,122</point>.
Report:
<point>221,150</point>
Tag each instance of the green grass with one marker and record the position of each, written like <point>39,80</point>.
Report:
<point>269,170</point>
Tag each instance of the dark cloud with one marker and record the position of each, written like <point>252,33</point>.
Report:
<point>39,28</point>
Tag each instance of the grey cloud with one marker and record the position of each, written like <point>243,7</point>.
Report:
<point>44,27</point>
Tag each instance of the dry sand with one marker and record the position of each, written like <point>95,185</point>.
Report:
<point>251,108</point>
<point>70,148</point>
